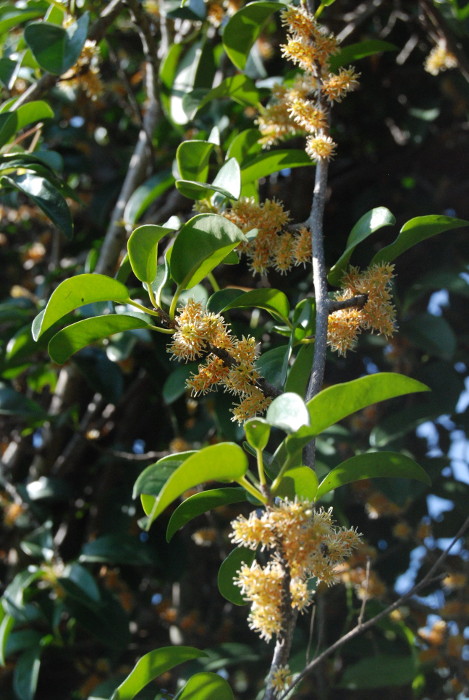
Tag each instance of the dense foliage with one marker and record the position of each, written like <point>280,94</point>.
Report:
<point>168,454</point>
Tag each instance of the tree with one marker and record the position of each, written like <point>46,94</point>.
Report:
<point>161,209</point>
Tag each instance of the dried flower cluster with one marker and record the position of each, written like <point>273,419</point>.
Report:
<point>440,59</point>
<point>272,247</point>
<point>304,107</point>
<point>200,335</point>
<point>377,315</point>
<point>304,543</point>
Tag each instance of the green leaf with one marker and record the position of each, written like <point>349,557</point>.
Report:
<point>370,466</point>
<point>55,48</point>
<point>273,365</point>
<point>152,665</point>
<point>298,376</point>
<point>192,159</point>
<point>8,71</point>
<point>75,292</point>
<point>192,71</point>
<point>202,244</point>
<point>272,300</point>
<point>142,247</point>
<point>380,671</point>
<point>228,570</point>
<point>175,383</point>
<point>288,412</point>
<point>200,503</point>
<point>45,195</point>
<point>10,16</point>
<point>224,461</point>
<point>244,28</point>
<point>245,144</point>
<point>238,88</point>
<point>154,477</point>
<point>82,333</point>
<point>116,548</point>
<point>299,482</point>
<point>145,195</point>
<point>257,433</point>
<point>200,190</point>
<point>341,400</point>
<point>219,301</point>
<point>432,334</point>
<point>369,223</point>
<point>26,674</point>
<point>6,625</point>
<point>206,686</point>
<point>8,126</point>
<point>362,49</point>
<point>228,178</point>
<point>31,112</point>
<point>16,404</point>
<point>415,231</point>
<point>265,164</point>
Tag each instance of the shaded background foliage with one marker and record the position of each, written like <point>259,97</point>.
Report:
<point>103,592</point>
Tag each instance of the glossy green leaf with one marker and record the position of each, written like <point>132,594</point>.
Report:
<point>415,231</point>
<point>265,164</point>
<point>200,190</point>
<point>224,461</point>
<point>10,16</point>
<point>145,195</point>
<point>31,112</point>
<point>341,400</point>
<point>202,244</point>
<point>372,465</point>
<point>206,686</point>
<point>143,250</point>
<point>189,75</point>
<point>257,433</point>
<point>200,503</point>
<point>228,570</point>
<point>26,673</point>
<point>153,665</point>
<point>192,158</point>
<point>153,478</point>
<point>272,300</point>
<point>82,333</point>
<point>362,49</point>
<point>238,88</point>
<point>220,300</point>
<point>6,625</point>
<point>244,145</point>
<point>288,412</point>
<point>75,292</point>
<point>45,195</point>
<point>244,28</point>
<point>369,223</point>
<point>298,376</point>
<point>228,178</point>
<point>299,482</point>
<point>273,364</point>
<point>56,48</point>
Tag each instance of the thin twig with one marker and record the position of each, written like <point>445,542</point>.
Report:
<point>363,627</point>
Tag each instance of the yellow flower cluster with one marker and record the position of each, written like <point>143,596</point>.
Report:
<point>305,544</point>
<point>198,335</point>
<point>85,72</point>
<point>303,107</point>
<point>377,315</point>
<point>271,247</point>
<point>440,59</point>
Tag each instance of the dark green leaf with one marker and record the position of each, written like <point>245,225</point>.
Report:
<point>432,334</point>
<point>45,195</point>
<point>26,674</point>
<point>55,48</point>
<point>363,49</point>
<point>228,571</point>
<point>153,665</point>
<point>273,365</point>
<point>202,244</point>
<point>299,373</point>
<point>8,126</point>
<point>265,164</point>
<point>16,404</point>
<point>415,231</point>
<point>369,466</point>
<point>369,223</point>
<point>82,333</point>
<point>75,292</point>
<point>175,384</point>
<point>200,503</point>
<point>145,195</point>
<point>116,549</point>
<point>380,671</point>
<point>244,28</point>
<point>206,686</point>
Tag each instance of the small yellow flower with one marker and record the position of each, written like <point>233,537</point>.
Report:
<point>320,147</point>
<point>440,59</point>
<point>281,678</point>
<point>336,86</point>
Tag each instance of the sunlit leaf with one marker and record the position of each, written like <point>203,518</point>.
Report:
<point>272,300</point>
<point>89,330</point>
<point>244,28</point>
<point>143,250</point>
<point>206,686</point>
<point>192,158</point>
<point>415,231</point>
<point>257,433</point>
<point>288,412</point>
<point>75,292</point>
<point>200,503</point>
<point>153,665</point>
<point>299,482</point>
